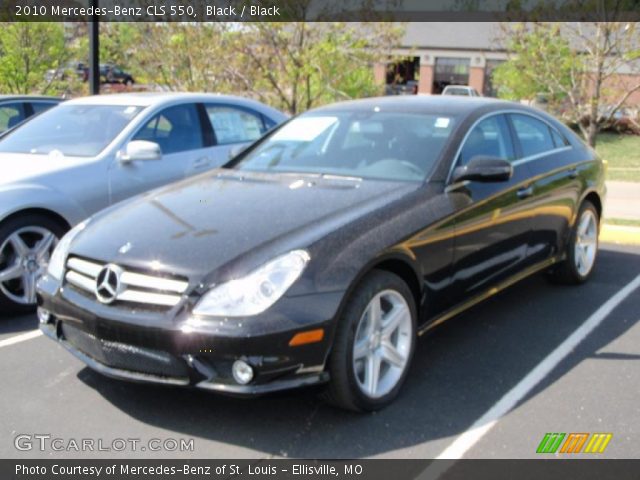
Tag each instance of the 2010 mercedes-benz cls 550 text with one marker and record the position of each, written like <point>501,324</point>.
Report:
<point>320,253</point>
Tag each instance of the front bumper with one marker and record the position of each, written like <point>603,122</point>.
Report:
<point>154,347</point>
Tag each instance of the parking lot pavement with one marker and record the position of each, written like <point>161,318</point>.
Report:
<point>460,371</point>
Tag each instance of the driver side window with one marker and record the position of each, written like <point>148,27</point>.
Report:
<point>175,129</point>
<point>489,138</point>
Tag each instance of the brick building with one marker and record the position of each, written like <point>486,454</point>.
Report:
<point>440,54</point>
<point>434,55</point>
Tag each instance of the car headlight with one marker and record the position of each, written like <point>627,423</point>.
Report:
<point>255,292</point>
<point>59,255</point>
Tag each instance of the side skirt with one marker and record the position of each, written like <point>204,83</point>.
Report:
<point>435,321</point>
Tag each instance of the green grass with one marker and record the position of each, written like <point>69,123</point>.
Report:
<point>622,222</point>
<point>623,154</point>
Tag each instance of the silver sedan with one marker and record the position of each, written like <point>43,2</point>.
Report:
<point>86,154</point>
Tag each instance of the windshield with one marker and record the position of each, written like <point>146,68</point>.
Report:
<point>378,145</point>
<point>457,91</point>
<point>70,130</point>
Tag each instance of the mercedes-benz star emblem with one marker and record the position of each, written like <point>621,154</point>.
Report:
<point>108,283</point>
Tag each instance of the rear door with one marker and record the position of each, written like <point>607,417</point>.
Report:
<point>186,150</point>
<point>556,185</point>
<point>493,224</point>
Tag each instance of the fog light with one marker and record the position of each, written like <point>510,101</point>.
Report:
<point>242,372</point>
<point>43,315</point>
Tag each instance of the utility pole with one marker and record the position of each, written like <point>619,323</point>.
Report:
<point>94,52</point>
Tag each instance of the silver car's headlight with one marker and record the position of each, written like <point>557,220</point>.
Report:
<point>255,292</point>
<point>59,255</point>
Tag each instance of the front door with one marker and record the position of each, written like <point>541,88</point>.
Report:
<point>179,132</point>
<point>492,226</point>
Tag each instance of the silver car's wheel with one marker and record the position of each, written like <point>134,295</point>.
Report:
<point>586,243</point>
<point>24,256</point>
<point>382,344</point>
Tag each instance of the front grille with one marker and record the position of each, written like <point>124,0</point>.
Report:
<point>134,287</point>
<point>125,357</point>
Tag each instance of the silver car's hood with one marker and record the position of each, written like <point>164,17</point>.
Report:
<point>24,167</point>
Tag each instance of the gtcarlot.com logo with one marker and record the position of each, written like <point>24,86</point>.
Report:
<point>574,443</point>
<point>45,442</point>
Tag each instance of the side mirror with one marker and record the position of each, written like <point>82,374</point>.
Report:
<point>484,169</point>
<point>140,150</point>
<point>237,150</point>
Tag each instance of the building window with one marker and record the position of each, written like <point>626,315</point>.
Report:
<point>450,71</point>
<point>402,76</point>
<point>489,90</point>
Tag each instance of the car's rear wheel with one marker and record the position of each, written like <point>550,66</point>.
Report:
<point>26,244</point>
<point>582,248</point>
<point>374,344</point>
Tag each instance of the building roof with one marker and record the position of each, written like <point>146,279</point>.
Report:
<point>452,35</point>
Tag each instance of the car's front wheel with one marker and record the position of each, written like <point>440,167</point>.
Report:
<point>374,344</point>
<point>26,244</point>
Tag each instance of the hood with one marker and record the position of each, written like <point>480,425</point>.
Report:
<point>24,167</point>
<point>196,226</point>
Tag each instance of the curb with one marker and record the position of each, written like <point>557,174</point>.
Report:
<point>620,234</point>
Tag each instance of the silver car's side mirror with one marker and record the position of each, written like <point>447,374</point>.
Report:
<point>140,150</point>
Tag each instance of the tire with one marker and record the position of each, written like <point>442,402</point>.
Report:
<point>350,386</point>
<point>576,268</point>
<point>129,82</point>
<point>32,229</point>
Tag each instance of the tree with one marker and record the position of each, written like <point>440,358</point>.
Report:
<point>298,65</point>
<point>184,56</point>
<point>28,51</point>
<point>579,67</point>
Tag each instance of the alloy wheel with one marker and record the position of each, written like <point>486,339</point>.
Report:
<point>382,344</point>
<point>24,256</point>
<point>586,243</point>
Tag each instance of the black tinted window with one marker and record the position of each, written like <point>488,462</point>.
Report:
<point>41,106</point>
<point>175,129</point>
<point>534,135</point>
<point>489,138</point>
<point>558,140</point>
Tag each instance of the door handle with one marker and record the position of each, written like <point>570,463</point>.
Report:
<point>573,173</point>
<point>525,192</point>
<point>202,163</point>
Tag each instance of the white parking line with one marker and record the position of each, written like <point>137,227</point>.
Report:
<point>20,338</point>
<point>485,423</point>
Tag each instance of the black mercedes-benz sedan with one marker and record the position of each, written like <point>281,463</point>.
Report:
<point>320,253</point>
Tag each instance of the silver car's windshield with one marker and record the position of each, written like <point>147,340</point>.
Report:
<point>378,145</point>
<point>70,130</point>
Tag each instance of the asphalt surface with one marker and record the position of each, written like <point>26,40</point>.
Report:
<point>459,372</point>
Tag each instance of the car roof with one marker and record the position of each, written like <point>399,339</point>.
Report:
<point>422,104</point>
<point>145,99</point>
<point>28,97</point>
